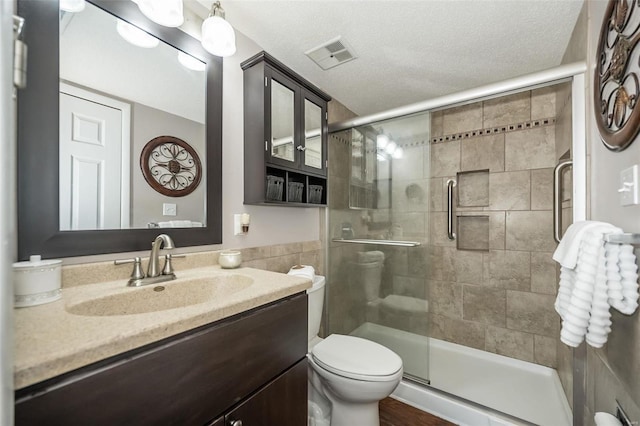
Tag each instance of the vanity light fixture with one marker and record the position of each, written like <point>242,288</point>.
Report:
<point>390,148</point>
<point>73,6</point>
<point>398,153</point>
<point>164,12</point>
<point>218,37</point>
<point>135,35</point>
<point>190,62</point>
<point>382,141</point>
<point>386,146</point>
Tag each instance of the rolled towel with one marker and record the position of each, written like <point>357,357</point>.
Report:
<point>373,256</point>
<point>306,271</point>
<point>566,253</point>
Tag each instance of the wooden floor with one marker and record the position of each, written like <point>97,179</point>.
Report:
<point>395,413</point>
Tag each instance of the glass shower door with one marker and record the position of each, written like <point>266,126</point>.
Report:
<point>378,227</point>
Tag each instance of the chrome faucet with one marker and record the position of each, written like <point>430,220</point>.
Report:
<point>154,273</point>
<point>153,269</point>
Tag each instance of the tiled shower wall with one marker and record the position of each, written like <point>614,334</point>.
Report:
<point>499,299</point>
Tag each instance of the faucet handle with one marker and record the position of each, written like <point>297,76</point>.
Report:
<point>137,273</point>
<point>168,267</point>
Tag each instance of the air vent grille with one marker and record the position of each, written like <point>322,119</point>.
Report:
<point>332,53</point>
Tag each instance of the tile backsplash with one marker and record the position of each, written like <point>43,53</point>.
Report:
<point>276,258</point>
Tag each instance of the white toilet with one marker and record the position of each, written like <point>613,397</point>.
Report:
<point>350,373</point>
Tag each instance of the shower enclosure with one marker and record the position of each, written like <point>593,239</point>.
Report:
<point>440,234</point>
<point>379,227</point>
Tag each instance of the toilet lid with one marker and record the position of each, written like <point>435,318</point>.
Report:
<point>357,358</point>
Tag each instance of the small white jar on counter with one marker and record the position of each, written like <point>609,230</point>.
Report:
<point>230,259</point>
<point>36,281</point>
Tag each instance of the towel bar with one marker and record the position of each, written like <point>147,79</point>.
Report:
<point>628,238</point>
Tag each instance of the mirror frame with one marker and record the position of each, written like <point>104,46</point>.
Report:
<point>38,156</point>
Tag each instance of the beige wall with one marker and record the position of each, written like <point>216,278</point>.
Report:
<point>499,298</point>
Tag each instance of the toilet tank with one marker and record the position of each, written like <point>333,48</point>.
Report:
<point>316,301</point>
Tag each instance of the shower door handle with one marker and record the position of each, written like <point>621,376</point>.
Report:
<point>451,183</point>
<point>557,198</point>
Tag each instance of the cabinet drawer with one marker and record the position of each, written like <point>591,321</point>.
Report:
<point>282,402</point>
<point>188,379</point>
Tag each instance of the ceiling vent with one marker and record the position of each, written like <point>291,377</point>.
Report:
<point>332,53</point>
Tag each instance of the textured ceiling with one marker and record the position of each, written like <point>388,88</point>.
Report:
<point>409,51</point>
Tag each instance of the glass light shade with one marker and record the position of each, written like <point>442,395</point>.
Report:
<point>398,153</point>
<point>135,35</point>
<point>72,5</point>
<point>389,149</point>
<point>164,12</point>
<point>190,62</point>
<point>382,141</point>
<point>218,37</point>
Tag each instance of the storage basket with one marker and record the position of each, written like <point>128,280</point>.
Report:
<point>275,187</point>
<point>295,192</point>
<point>315,194</point>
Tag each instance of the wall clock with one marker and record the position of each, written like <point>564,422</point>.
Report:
<point>170,166</point>
<point>616,81</point>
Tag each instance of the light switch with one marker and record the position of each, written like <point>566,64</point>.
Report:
<point>629,190</point>
<point>169,209</point>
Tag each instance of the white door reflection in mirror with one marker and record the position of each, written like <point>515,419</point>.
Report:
<point>282,122</point>
<point>92,190</point>
<point>312,134</point>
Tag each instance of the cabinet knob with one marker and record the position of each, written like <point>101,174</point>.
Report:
<point>236,423</point>
<point>301,148</point>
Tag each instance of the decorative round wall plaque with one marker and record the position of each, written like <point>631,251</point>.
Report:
<point>616,81</point>
<point>170,166</point>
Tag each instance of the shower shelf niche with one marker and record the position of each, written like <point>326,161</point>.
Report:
<point>473,188</point>
<point>473,233</point>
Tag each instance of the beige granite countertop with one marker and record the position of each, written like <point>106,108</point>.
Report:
<point>50,341</point>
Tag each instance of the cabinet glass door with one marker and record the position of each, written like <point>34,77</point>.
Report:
<point>282,122</point>
<point>312,135</point>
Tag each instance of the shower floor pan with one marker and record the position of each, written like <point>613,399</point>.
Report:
<point>517,388</point>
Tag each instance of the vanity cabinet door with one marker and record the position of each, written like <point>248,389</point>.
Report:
<point>283,402</point>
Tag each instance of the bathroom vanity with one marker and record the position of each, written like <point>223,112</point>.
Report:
<point>247,367</point>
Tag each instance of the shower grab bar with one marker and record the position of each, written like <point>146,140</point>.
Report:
<point>557,198</point>
<point>451,183</point>
<point>377,242</point>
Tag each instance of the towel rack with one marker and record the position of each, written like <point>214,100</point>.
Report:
<point>377,242</point>
<point>627,238</point>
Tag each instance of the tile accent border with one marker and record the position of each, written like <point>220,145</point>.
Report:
<point>495,130</point>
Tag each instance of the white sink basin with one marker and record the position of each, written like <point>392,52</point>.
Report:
<point>162,296</point>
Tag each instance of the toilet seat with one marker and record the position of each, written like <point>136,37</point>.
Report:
<point>356,358</point>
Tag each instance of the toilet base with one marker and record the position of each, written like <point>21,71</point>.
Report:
<point>345,414</point>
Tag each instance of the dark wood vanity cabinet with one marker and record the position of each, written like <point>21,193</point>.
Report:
<point>285,136</point>
<point>249,368</point>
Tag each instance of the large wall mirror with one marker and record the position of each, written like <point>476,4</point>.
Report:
<point>102,83</point>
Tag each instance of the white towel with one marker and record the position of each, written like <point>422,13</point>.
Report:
<point>566,253</point>
<point>594,276</point>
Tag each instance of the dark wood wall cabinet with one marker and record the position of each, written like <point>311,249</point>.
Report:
<point>285,136</point>
<point>249,369</point>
